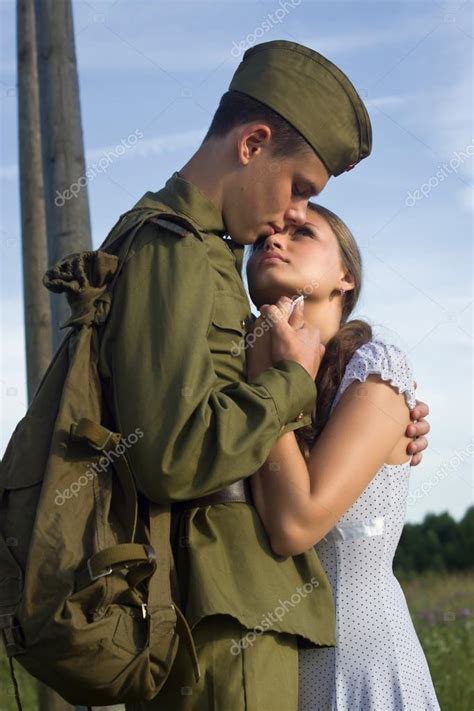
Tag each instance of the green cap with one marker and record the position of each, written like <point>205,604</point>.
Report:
<point>313,95</point>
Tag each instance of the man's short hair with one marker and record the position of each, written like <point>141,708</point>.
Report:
<point>236,109</point>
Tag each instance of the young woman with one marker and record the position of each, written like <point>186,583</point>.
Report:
<point>341,484</point>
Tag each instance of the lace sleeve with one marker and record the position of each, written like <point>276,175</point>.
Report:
<point>386,360</point>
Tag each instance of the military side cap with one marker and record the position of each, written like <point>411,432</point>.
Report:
<point>313,95</point>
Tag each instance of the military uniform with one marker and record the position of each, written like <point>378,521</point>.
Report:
<point>173,364</point>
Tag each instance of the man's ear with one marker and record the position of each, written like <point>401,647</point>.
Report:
<point>252,139</point>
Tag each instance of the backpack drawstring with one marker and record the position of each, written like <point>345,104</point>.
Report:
<point>15,684</point>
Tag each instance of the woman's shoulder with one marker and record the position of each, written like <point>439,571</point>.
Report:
<point>377,357</point>
<point>380,356</point>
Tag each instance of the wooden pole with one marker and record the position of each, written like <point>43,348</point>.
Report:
<point>67,206</point>
<point>37,309</point>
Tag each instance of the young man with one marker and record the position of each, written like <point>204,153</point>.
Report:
<point>173,361</point>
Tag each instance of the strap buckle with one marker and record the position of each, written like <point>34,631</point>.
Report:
<point>12,635</point>
<point>150,551</point>
<point>102,574</point>
<point>102,446</point>
<point>75,435</point>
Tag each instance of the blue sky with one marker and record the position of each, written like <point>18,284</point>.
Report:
<point>158,69</point>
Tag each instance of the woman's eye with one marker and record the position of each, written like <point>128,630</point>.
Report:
<point>304,231</point>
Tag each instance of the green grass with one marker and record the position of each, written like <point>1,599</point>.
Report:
<point>442,608</point>
<point>26,683</point>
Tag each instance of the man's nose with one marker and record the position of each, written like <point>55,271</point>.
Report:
<point>296,214</point>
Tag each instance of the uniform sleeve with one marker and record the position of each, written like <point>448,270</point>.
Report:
<point>192,435</point>
<point>385,360</point>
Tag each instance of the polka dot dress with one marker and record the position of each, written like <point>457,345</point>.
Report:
<point>378,663</point>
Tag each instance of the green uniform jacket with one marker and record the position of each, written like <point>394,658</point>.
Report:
<point>173,364</point>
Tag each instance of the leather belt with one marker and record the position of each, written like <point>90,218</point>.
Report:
<point>239,491</point>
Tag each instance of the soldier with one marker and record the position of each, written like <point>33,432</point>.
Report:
<point>173,364</point>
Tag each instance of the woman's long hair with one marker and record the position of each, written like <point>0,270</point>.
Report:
<point>341,347</point>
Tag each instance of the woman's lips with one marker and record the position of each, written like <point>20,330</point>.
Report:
<point>273,259</point>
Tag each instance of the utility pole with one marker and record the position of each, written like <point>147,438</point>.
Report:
<point>65,183</point>
<point>37,310</point>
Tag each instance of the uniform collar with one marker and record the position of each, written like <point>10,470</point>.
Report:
<point>186,199</point>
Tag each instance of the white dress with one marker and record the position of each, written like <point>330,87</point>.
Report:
<point>378,663</point>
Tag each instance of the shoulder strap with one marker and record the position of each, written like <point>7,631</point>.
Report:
<point>170,221</point>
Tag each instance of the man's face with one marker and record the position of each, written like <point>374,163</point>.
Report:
<point>269,193</point>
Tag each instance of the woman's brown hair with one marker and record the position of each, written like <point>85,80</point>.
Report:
<point>342,346</point>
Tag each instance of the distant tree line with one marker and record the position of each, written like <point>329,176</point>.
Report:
<point>439,544</point>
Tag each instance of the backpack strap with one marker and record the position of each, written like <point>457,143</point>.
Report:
<point>16,688</point>
<point>13,641</point>
<point>104,440</point>
<point>169,220</point>
<point>139,558</point>
<point>159,585</point>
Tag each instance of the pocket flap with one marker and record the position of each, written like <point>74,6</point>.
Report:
<point>230,312</point>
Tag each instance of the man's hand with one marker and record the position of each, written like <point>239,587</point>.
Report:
<point>417,430</point>
<point>291,337</point>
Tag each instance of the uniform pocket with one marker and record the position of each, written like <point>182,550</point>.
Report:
<point>230,312</point>
<point>229,322</point>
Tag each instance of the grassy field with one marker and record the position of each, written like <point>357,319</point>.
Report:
<point>442,609</point>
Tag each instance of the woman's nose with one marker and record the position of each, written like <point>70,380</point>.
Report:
<point>274,240</point>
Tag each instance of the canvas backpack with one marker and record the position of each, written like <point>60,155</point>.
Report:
<point>86,568</point>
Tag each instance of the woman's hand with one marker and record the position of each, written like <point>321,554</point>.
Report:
<point>259,341</point>
<point>417,429</point>
<point>260,348</point>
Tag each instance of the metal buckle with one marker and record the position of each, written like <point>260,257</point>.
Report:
<point>102,446</point>
<point>74,436</point>
<point>150,551</point>
<point>105,572</point>
<point>12,635</point>
<point>150,554</point>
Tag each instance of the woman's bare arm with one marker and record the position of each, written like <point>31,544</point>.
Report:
<point>300,502</point>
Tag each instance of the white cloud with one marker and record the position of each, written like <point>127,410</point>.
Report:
<point>385,101</point>
<point>154,146</point>
<point>144,148</point>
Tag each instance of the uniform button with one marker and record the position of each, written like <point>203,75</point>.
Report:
<point>300,416</point>
<point>242,323</point>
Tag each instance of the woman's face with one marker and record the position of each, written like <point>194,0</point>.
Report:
<point>302,259</point>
